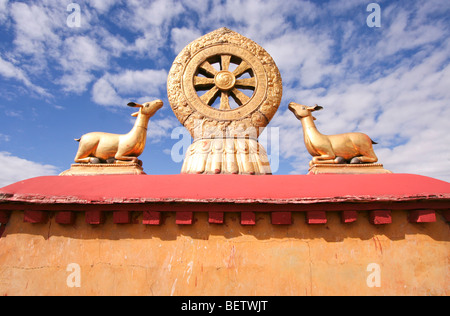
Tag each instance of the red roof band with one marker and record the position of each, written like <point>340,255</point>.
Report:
<point>186,194</point>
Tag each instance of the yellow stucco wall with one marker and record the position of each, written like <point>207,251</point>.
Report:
<point>230,259</point>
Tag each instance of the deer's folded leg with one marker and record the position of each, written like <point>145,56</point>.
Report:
<point>324,159</point>
<point>368,159</point>
<point>126,159</point>
<point>83,160</point>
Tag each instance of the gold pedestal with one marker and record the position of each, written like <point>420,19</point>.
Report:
<point>99,169</point>
<point>226,156</point>
<point>369,168</point>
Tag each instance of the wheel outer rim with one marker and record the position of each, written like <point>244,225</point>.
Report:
<point>235,114</point>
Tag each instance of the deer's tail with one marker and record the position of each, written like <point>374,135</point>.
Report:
<point>78,140</point>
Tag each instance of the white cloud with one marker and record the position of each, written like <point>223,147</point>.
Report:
<point>84,52</point>
<point>12,113</point>
<point>198,6</point>
<point>34,27</point>
<point>257,19</point>
<point>76,81</point>
<point>403,33</point>
<point>104,93</point>
<point>150,23</point>
<point>119,89</point>
<point>160,129</point>
<point>3,10</point>
<point>10,71</point>
<point>103,6</point>
<point>425,154</point>
<point>147,81</point>
<point>4,138</point>
<point>156,13</point>
<point>81,56</point>
<point>182,37</point>
<point>302,56</point>
<point>16,169</point>
<point>342,7</point>
<point>114,44</point>
<point>47,46</point>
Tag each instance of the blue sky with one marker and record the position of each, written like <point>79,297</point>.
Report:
<point>59,82</point>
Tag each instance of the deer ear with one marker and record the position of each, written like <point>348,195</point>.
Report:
<point>135,105</point>
<point>318,108</point>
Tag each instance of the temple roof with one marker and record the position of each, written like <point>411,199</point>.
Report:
<point>274,189</point>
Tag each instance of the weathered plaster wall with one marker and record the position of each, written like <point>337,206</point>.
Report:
<point>229,259</point>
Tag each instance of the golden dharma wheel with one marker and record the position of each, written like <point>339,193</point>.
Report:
<point>224,81</point>
<point>224,88</point>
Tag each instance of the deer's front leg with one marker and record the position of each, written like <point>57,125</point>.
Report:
<point>126,159</point>
<point>323,159</point>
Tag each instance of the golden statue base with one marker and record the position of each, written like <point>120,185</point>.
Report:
<point>226,156</point>
<point>367,168</point>
<point>102,169</point>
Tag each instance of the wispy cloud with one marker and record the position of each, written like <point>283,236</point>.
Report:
<point>183,36</point>
<point>3,10</point>
<point>81,56</point>
<point>10,71</point>
<point>119,89</point>
<point>16,169</point>
<point>4,138</point>
<point>103,6</point>
<point>161,129</point>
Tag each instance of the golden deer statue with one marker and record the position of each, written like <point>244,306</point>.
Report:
<point>97,146</point>
<point>332,149</point>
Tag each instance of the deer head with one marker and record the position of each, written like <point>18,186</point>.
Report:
<point>301,111</point>
<point>148,108</point>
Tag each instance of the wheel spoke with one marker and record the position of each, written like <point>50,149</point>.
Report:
<point>246,83</point>
<point>225,62</point>
<point>207,69</point>
<point>210,96</point>
<point>243,67</point>
<point>214,89</point>
<point>224,101</point>
<point>203,82</point>
<point>239,97</point>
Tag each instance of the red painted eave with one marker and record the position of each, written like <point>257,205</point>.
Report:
<point>273,189</point>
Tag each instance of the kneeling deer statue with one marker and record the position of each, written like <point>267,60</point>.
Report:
<point>332,149</point>
<point>97,146</point>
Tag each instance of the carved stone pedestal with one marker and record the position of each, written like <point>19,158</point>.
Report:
<point>102,169</point>
<point>369,168</point>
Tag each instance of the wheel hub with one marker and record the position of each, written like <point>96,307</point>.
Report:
<point>225,80</point>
